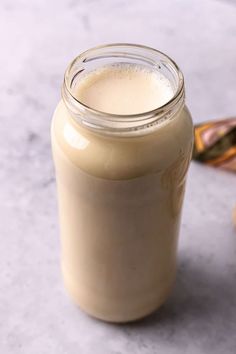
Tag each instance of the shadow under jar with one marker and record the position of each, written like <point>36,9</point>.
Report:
<point>120,182</point>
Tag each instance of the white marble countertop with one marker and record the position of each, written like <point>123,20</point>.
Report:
<point>38,39</point>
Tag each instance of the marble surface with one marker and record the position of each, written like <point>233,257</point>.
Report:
<point>38,39</point>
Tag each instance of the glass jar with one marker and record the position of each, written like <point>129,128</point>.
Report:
<point>120,182</point>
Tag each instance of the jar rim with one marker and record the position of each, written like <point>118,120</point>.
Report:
<point>84,57</point>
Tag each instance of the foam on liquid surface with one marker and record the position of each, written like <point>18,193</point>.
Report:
<point>124,89</point>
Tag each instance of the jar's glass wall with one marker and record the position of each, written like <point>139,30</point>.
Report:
<point>129,54</point>
<point>120,198</point>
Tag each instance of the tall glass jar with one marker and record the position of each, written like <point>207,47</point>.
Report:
<point>120,182</point>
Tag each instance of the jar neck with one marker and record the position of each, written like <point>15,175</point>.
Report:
<point>114,124</point>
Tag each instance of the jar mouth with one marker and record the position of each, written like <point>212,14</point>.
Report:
<point>118,52</point>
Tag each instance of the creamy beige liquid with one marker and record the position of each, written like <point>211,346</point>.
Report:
<point>124,89</point>
<point>120,198</point>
